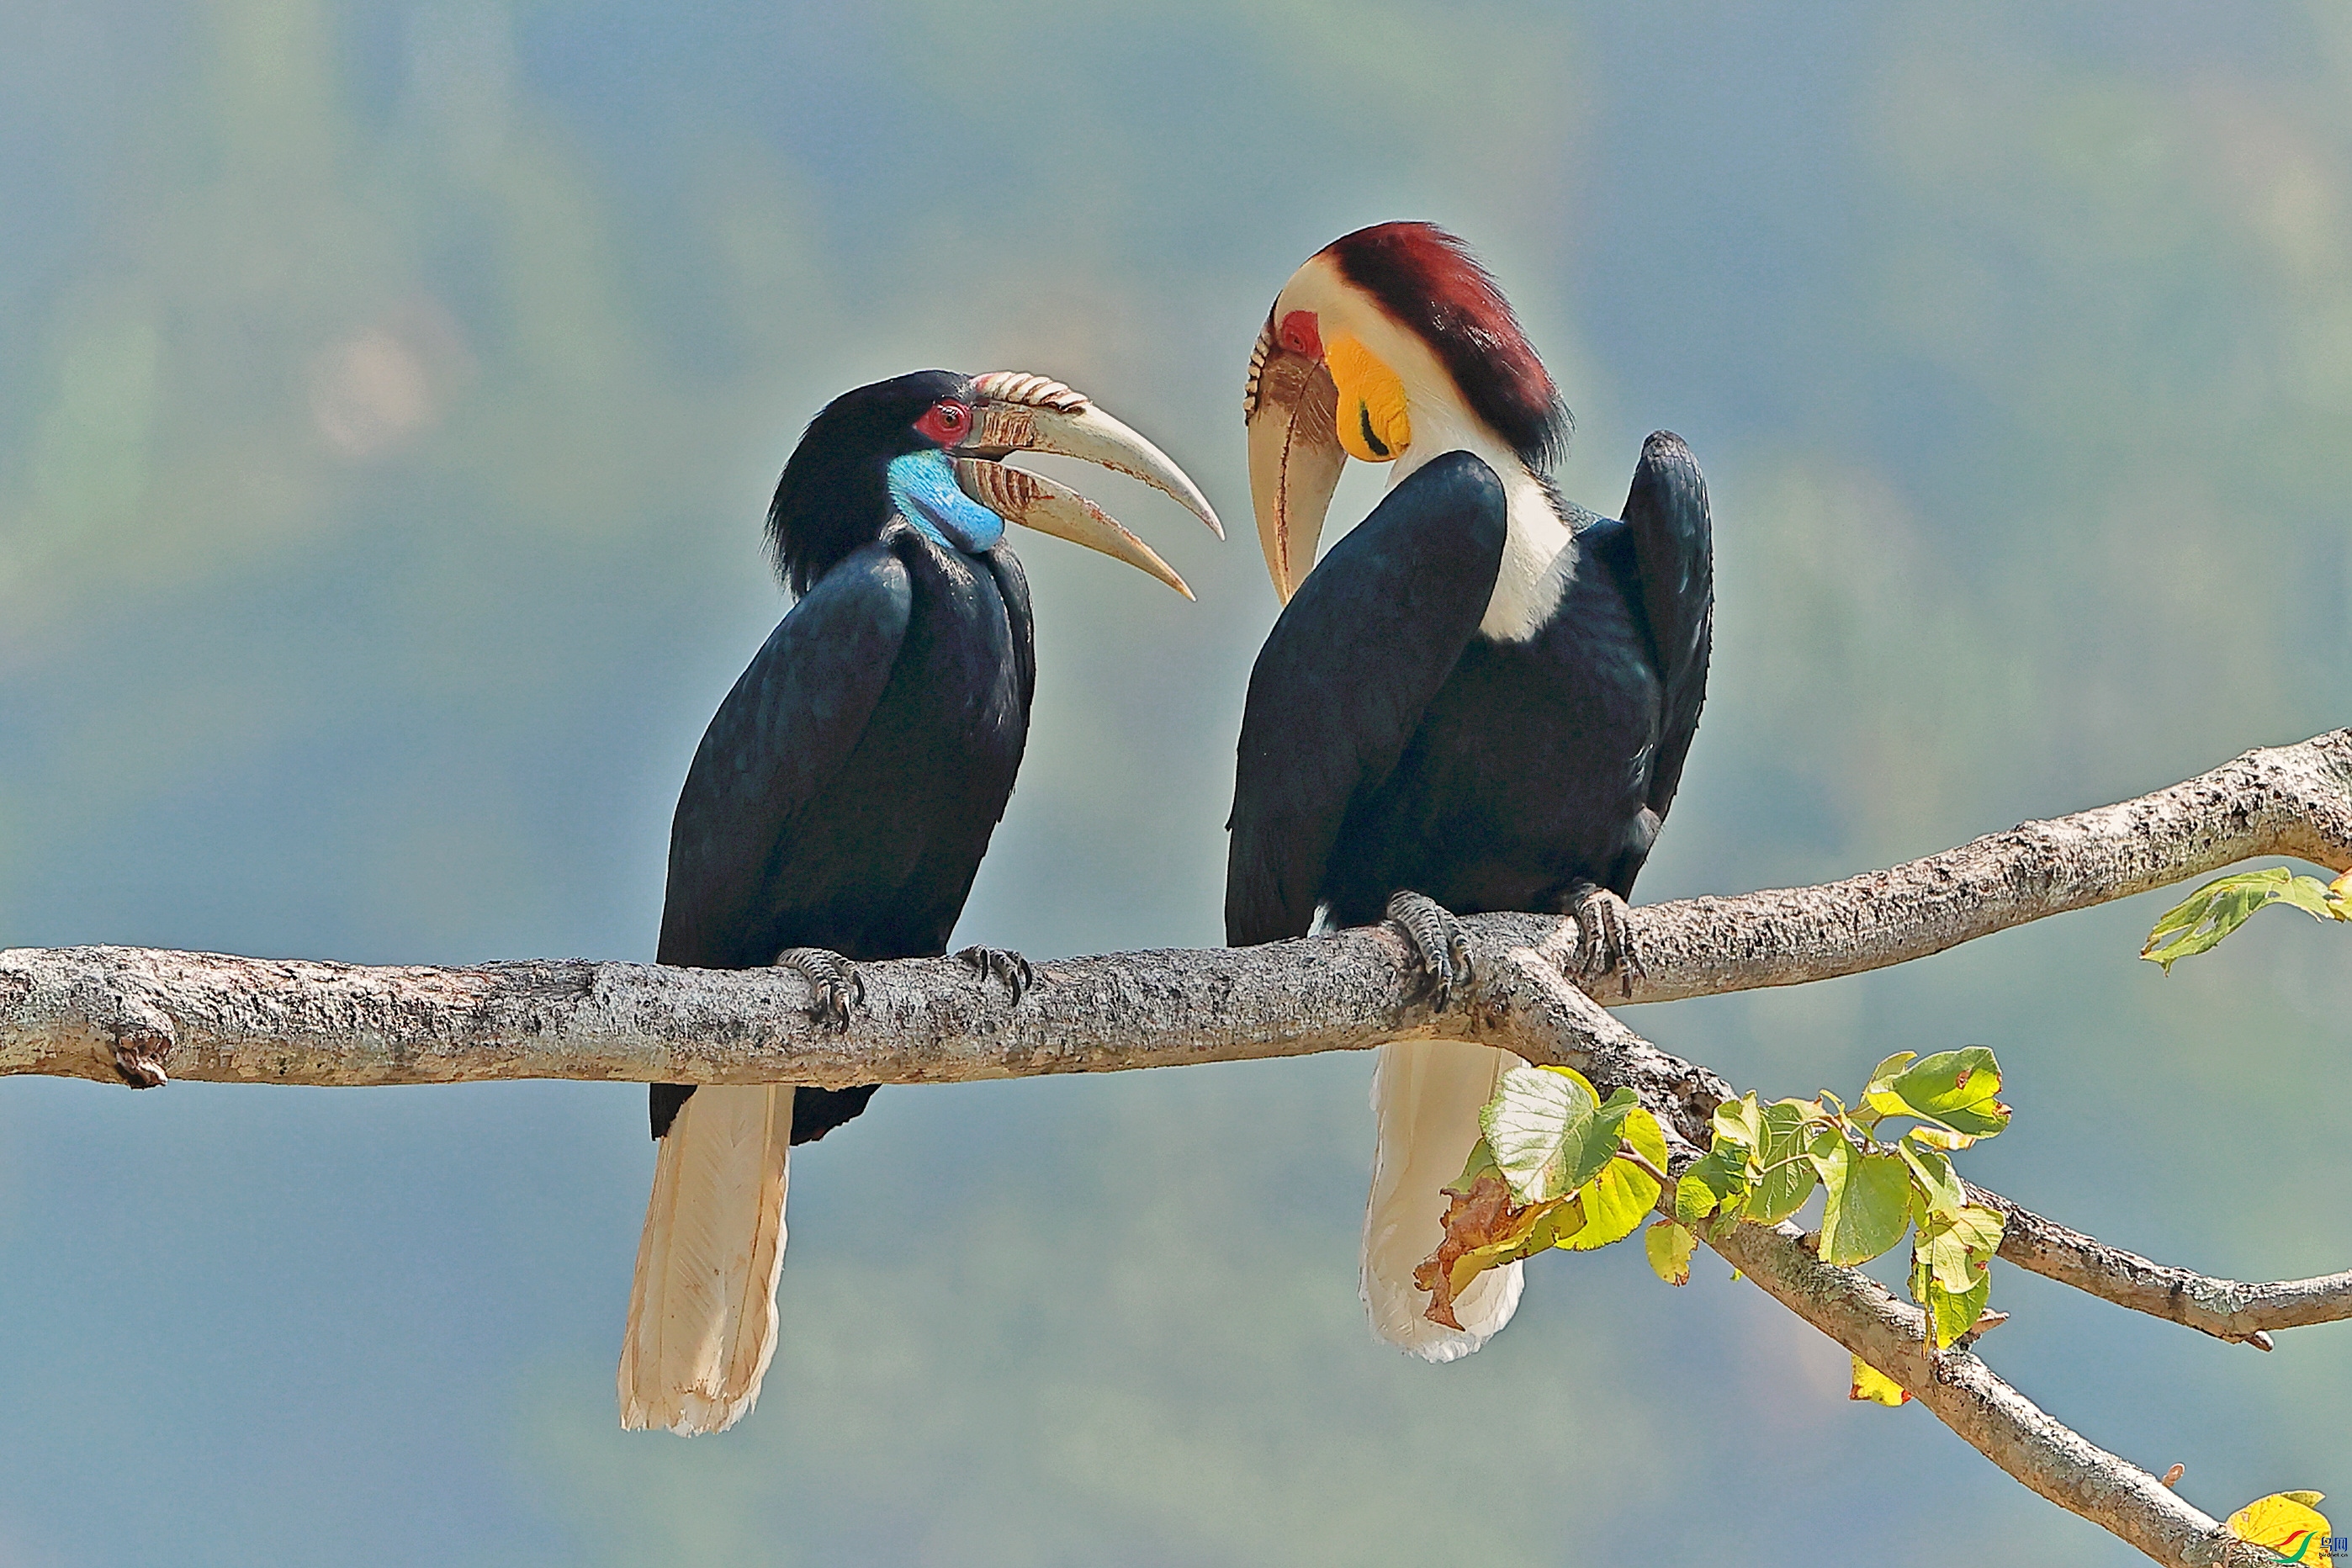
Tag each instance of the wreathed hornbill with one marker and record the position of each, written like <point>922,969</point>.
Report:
<point>841,800</point>
<point>1479,701</point>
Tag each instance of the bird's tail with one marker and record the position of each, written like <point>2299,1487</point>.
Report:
<point>1426,1096</point>
<point>702,1310</point>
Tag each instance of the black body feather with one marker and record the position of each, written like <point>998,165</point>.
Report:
<point>844,794</point>
<point>1387,744</point>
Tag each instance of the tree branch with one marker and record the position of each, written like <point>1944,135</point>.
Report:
<point>140,1016</point>
<point>1974,1401</point>
<point>2226,1309</point>
<point>2284,800</point>
<point>122,1013</point>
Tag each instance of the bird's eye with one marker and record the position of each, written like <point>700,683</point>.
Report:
<point>1301,333</point>
<point>946,421</point>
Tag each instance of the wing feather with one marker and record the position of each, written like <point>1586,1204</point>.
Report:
<point>1673,539</point>
<point>793,719</point>
<point>1345,676</point>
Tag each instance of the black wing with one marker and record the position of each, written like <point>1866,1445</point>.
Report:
<point>1343,679</point>
<point>1673,546</point>
<point>783,731</point>
<point>1012,583</point>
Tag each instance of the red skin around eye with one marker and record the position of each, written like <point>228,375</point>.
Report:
<point>1301,333</point>
<point>946,422</point>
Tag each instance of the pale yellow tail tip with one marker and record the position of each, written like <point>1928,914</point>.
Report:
<point>696,1415</point>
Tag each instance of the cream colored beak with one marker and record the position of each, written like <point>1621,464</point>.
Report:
<point>1292,407</point>
<point>1013,412</point>
<point>1032,501</point>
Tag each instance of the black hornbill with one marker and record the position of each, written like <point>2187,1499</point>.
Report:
<point>1479,701</point>
<point>841,800</point>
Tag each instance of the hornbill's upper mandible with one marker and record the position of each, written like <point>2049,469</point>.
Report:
<point>840,803</point>
<point>1482,696</point>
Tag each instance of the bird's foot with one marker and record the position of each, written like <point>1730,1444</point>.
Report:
<point>1004,965</point>
<point>835,984</point>
<point>1604,937</point>
<point>1440,943</point>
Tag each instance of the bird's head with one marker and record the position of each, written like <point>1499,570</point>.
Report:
<point>1390,341</point>
<point>929,448</point>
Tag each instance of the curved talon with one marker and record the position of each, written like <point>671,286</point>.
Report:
<point>835,984</point>
<point>1440,943</point>
<point>1006,967</point>
<point>1604,937</point>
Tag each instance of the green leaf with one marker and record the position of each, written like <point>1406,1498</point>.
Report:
<point>1717,1179</point>
<point>1939,1185</point>
<point>1670,1248</point>
<point>1951,1268</point>
<point>1537,1124</point>
<point>1958,1089</point>
<point>1782,1175</point>
<point>1955,1313</point>
<point>1875,1096</point>
<point>2198,923</point>
<point>1869,1205</point>
<point>2315,899</point>
<point>1616,1200</point>
<point>1738,1122</point>
<point>1480,1164</point>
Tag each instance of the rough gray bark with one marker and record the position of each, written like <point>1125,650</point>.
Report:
<point>142,1017</point>
<point>1970,1398</point>
<point>2284,800</point>
<point>2226,1309</point>
<point>116,1011</point>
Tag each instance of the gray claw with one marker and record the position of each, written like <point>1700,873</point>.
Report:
<point>1604,937</point>
<point>1006,967</point>
<point>835,984</point>
<point>1440,943</point>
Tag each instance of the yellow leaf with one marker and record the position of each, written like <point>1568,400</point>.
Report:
<point>2287,1525</point>
<point>1669,1247</point>
<point>1874,1385</point>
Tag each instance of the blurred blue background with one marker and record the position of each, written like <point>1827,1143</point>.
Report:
<point>392,393</point>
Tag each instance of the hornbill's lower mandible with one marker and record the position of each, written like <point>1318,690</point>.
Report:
<point>1482,696</point>
<point>840,803</point>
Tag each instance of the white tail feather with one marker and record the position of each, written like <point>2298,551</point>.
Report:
<point>702,1310</point>
<point>1426,1096</point>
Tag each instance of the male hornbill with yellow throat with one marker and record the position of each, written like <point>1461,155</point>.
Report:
<point>1480,699</point>
<point>841,800</point>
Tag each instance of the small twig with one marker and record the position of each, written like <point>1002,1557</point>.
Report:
<point>1641,1162</point>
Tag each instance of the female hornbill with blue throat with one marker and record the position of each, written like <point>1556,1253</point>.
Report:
<point>1480,699</point>
<point>840,802</point>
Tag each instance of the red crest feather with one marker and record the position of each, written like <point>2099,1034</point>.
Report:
<point>1428,280</point>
